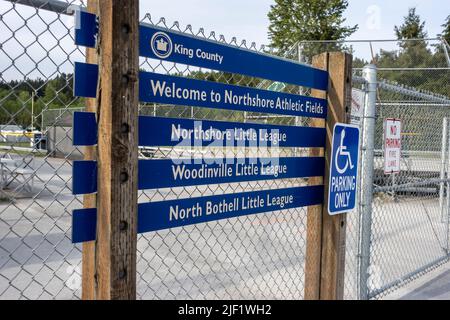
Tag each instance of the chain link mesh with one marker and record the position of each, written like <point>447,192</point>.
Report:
<point>258,256</point>
<point>409,227</point>
<point>37,258</point>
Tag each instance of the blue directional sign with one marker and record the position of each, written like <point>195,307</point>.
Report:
<point>158,131</point>
<point>154,87</point>
<point>169,173</point>
<point>343,169</point>
<point>169,45</point>
<point>164,132</point>
<point>153,216</point>
<point>179,47</point>
<point>165,89</point>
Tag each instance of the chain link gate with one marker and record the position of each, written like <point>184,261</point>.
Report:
<point>403,231</point>
<point>259,256</point>
<point>410,210</point>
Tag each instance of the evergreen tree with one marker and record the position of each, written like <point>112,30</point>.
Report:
<point>446,32</point>
<point>412,54</point>
<point>412,27</point>
<point>296,20</point>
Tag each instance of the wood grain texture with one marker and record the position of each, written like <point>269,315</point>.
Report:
<point>314,213</point>
<point>325,280</point>
<point>89,200</point>
<point>333,227</point>
<point>117,114</point>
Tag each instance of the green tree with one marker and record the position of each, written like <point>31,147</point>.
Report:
<point>296,20</point>
<point>412,27</point>
<point>414,53</point>
<point>446,32</point>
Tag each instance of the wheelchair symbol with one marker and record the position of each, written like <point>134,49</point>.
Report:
<point>342,152</point>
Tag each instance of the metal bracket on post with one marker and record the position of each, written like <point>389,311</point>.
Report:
<point>370,75</point>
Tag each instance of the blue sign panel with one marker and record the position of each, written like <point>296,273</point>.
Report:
<point>153,216</point>
<point>159,43</point>
<point>167,173</point>
<point>177,47</point>
<point>343,169</point>
<point>84,224</point>
<point>158,131</point>
<point>178,172</point>
<point>154,87</point>
<point>84,177</point>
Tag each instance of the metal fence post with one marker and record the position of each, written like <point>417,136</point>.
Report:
<point>370,75</point>
<point>446,211</point>
<point>443,165</point>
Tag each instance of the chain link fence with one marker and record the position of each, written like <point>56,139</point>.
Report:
<point>260,256</point>
<point>252,257</point>
<point>406,228</point>
<point>37,258</point>
<point>410,226</point>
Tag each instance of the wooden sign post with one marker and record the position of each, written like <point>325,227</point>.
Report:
<point>109,263</point>
<point>89,200</point>
<point>325,251</point>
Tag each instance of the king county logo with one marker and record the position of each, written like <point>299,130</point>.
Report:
<point>161,45</point>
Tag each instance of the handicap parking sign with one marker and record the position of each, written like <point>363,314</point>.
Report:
<point>343,168</point>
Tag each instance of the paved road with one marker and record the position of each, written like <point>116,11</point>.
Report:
<point>435,289</point>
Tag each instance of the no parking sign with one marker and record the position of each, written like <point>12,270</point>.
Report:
<point>343,168</point>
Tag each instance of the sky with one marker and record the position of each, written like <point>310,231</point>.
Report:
<point>247,19</point>
<point>243,19</point>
